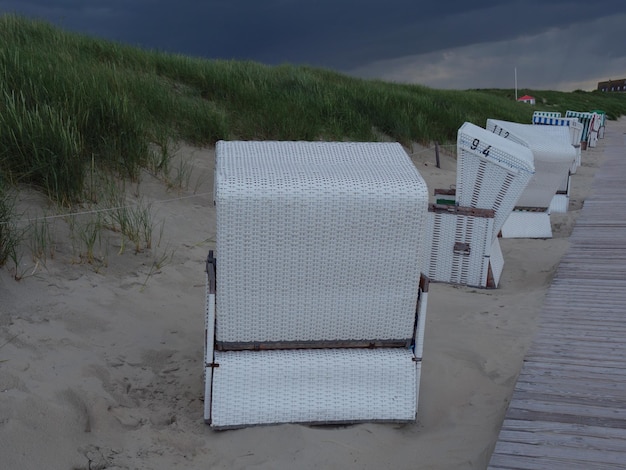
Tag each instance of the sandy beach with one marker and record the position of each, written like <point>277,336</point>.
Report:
<point>101,363</point>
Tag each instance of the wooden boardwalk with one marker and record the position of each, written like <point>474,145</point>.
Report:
<point>568,409</point>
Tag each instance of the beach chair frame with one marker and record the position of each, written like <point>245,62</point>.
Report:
<point>463,249</point>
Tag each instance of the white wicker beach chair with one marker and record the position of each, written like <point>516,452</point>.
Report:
<point>492,173</point>
<point>316,303</point>
<point>576,132</point>
<point>553,158</point>
<point>560,201</point>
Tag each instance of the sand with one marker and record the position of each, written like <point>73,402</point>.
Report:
<point>101,363</point>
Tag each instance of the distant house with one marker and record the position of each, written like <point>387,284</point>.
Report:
<point>613,85</point>
<point>527,99</point>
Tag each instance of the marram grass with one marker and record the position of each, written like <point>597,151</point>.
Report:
<point>70,104</point>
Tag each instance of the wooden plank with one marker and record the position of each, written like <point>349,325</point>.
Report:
<point>563,407</point>
<point>533,415</point>
<point>572,429</point>
<point>570,334</point>
<point>564,399</point>
<point>522,462</point>
<point>565,343</point>
<point>558,438</point>
<point>590,323</point>
<point>576,371</point>
<point>564,389</point>
<point>580,371</point>
<point>560,360</point>
<point>595,353</point>
<point>591,456</point>
<point>461,210</point>
<point>272,345</point>
<point>611,380</point>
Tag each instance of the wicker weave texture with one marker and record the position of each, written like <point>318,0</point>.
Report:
<point>553,155</point>
<point>575,127</point>
<point>550,143</point>
<point>593,139</point>
<point>565,184</point>
<point>559,204</point>
<point>522,224</point>
<point>445,263</point>
<point>314,386</point>
<point>317,241</point>
<point>496,261</point>
<point>492,172</point>
<point>576,131</point>
<point>578,160</point>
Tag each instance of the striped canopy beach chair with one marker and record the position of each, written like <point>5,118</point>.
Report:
<point>546,115</point>
<point>591,125</point>
<point>492,173</point>
<point>316,301</point>
<point>553,156</point>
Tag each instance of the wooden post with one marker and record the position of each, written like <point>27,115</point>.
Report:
<point>437,153</point>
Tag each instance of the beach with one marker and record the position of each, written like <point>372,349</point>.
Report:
<point>101,363</point>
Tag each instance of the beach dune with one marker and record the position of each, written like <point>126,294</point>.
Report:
<point>101,366</point>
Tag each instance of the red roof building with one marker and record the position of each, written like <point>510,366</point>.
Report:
<point>526,99</point>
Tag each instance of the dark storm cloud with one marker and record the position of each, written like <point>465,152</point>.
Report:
<point>345,34</point>
<point>567,58</point>
<point>339,34</point>
<point>330,33</point>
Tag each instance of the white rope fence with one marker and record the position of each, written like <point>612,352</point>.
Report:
<point>103,209</point>
<point>429,149</point>
<point>30,220</point>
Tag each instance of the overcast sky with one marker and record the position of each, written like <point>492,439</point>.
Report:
<point>551,44</point>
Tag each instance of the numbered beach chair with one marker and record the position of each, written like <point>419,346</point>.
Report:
<point>553,157</point>
<point>316,301</point>
<point>492,173</point>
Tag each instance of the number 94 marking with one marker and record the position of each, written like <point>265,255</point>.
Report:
<point>476,143</point>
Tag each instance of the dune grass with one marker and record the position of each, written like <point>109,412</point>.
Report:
<point>72,106</point>
<point>9,234</point>
<point>70,99</point>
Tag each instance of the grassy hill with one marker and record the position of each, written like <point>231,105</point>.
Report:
<point>69,101</point>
